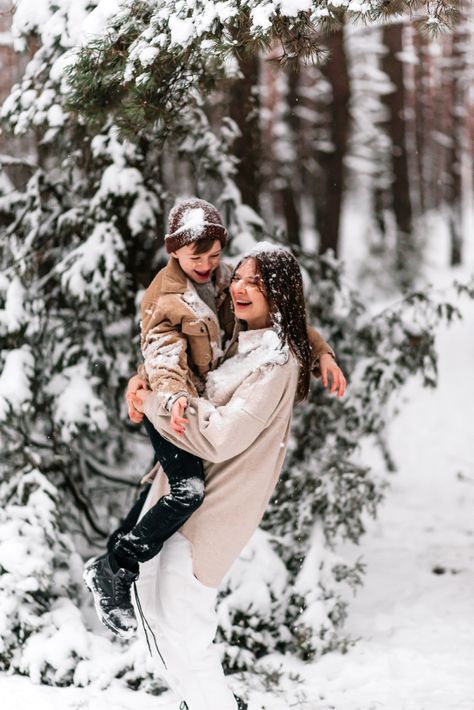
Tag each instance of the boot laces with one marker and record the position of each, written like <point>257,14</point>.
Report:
<point>122,589</point>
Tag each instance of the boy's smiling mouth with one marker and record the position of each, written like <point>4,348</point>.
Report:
<point>205,275</point>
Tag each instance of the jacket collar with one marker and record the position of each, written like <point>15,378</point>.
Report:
<point>176,281</point>
<point>174,278</point>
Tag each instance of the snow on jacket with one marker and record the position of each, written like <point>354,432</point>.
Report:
<point>241,431</point>
<point>182,338</point>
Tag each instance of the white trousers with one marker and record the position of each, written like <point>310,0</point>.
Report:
<point>181,611</point>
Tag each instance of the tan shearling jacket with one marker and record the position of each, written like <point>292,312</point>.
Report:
<point>181,337</point>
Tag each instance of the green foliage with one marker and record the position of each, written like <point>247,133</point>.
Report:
<point>143,72</point>
<point>80,241</point>
<point>99,89</point>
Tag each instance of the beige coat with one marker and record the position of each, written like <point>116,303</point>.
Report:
<point>242,435</point>
<point>181,337</point>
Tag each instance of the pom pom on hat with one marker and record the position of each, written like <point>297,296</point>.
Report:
<point>192,220</point>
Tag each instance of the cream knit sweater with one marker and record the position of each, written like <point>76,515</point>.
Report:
<point>241,432</point>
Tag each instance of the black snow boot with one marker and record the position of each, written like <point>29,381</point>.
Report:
<point>111,592</point>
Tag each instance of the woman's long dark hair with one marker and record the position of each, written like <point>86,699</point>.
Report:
<point>283,287</point>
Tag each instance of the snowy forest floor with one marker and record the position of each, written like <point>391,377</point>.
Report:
<point>414,615</point>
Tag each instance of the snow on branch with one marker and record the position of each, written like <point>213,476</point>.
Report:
<point>143,59</point>
<point>15,389</point>
<point>94,265</point>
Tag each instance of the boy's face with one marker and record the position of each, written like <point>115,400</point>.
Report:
<point>198,267</point>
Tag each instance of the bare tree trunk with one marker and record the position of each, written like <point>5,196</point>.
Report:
<point>380,207</point>
<point>457,103</point>
<point>292,216</point>
<point>441,128</point>
<point>290,191</point>
<point>423,110</point>
<point>395,102</point>
<point>244,109</point>
<point>330,192</point>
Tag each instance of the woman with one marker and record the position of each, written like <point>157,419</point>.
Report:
<point>241,431</point>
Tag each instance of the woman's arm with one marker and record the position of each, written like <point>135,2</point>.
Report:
<point>220,433</point>
<point>324,363</point>
<point>318,345</point>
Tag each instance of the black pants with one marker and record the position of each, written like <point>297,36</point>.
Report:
<point>136,542</point>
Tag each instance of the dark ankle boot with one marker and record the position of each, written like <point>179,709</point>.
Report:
<point>111,592</point>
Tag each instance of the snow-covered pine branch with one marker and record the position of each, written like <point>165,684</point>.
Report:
<point>144,59</point>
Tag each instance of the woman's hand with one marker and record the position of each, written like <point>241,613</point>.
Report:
<point>329,368</point>
<point>139,398</point>
<point>135,384</point>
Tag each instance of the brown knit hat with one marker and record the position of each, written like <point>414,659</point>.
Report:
<point>191,220</point>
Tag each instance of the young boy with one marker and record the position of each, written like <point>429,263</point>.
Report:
<point>186,319</point>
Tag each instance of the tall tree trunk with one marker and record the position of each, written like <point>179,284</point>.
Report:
<point>395,102</point>
<point>441,128</point>
<point>291,213</point>
<point>244,109</point>
<point>423,110</point>
<point>457,103</point>
<point>291,183</point>
<point>330,192</point>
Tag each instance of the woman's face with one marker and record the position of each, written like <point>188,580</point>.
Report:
<point>250,302</point>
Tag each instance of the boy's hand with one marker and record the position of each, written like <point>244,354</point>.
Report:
<point>177,420</point>
<point>329,368</point>
<point>135,384</point>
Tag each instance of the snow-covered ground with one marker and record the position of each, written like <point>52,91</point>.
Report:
<point>415,615</point>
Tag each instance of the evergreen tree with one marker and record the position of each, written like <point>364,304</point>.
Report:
<point>41,630</point>
<point>79,243</point>
<point>151,54</point>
